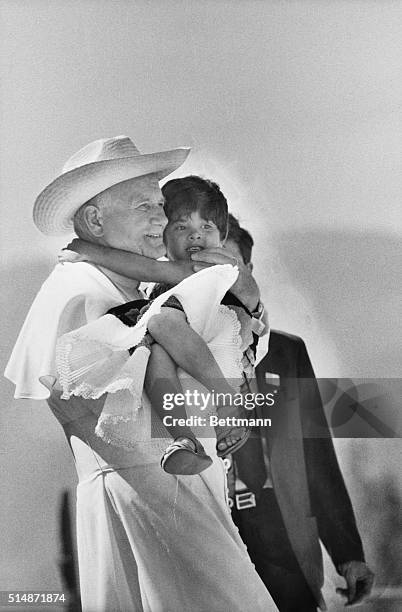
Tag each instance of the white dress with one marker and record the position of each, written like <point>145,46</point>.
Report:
<point>150,541</point>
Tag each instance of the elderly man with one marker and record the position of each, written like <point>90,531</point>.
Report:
<point>147,540</point>
<point>286,485</point>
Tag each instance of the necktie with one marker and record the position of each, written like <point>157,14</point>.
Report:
<point>249,459</point>
<point>249,464</point>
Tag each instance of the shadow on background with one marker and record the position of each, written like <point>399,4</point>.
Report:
<point>20,283</point>
<point>353,279</point>
<point>36,462</point>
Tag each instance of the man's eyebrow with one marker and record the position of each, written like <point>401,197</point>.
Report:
<point>149,201</point>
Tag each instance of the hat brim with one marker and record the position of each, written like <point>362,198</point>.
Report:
<point>56,205</point>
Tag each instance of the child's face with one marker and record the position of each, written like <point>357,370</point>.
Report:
<point>189,234</point>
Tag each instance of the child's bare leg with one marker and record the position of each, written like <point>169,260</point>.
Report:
<point>189,351</point>
<point>161,379</point>
<point>185,455</point>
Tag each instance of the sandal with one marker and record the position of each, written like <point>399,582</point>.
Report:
<point>181,458</point>
<point>231,448</point>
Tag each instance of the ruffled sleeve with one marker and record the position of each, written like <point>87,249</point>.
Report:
<point>95,358</point>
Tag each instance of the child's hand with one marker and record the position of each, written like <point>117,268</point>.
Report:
<point>66,255</point>
<point>79,246</point>
<point>245,288</point>
<point>76,250</point>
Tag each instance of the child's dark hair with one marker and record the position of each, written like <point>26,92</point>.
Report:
<point>184,196</point>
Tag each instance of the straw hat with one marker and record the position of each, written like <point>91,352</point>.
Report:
<point>94,168</point>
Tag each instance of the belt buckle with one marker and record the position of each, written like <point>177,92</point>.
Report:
<point>245,500</point>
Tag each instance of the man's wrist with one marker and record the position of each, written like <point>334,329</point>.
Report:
<point>250,300</point>
<point>259,320</point>
<point>258,311</point>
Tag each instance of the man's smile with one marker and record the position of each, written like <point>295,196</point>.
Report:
<point>154,236</point>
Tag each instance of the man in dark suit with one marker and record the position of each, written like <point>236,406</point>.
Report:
<point>285,484</point>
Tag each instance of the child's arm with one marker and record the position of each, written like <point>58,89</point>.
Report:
<point>131,265</point>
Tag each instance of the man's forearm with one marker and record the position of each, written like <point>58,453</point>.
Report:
<point>247,291</point>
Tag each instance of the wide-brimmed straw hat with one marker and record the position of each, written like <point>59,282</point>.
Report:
<point>94,168</point>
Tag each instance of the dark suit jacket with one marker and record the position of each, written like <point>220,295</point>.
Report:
<point>306,477</point>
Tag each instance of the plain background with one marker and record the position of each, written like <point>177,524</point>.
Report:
<point>295,109</point>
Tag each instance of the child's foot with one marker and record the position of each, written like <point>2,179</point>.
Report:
<point>185,456</point>
<point>230,440</point>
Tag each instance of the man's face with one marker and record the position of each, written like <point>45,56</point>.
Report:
<point>234,250</point>
<point>190,234</point>
<point>133,217</point>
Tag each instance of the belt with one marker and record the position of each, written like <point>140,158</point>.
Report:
<point>240,497</point>
<point>243,500</point>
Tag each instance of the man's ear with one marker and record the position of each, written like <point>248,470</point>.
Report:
<point>249,266</point>
<point>94,220</point>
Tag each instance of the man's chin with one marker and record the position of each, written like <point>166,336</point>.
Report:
<point>154,252</point>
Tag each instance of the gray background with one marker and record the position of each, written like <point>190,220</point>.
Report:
<point>295,109</point>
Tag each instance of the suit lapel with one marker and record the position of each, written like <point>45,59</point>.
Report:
<point>287,460</point>
<point>284,437</point>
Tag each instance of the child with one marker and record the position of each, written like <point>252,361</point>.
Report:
<point>197,219</point>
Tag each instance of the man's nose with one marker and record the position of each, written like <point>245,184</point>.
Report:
<point>158,216</point>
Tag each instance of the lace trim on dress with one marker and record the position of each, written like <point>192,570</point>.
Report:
<point>94,359</point>
<point>227,316</point>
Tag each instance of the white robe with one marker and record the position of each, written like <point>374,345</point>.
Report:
<point>147,541</point>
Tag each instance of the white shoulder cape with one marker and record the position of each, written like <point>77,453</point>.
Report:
<point>73,294</point>
<point>67,336</point>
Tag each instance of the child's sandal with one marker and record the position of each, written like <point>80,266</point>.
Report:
<point>180,457</point>
<point>231,448</point>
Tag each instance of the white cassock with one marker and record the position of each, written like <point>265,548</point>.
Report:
<point>147,541</point>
